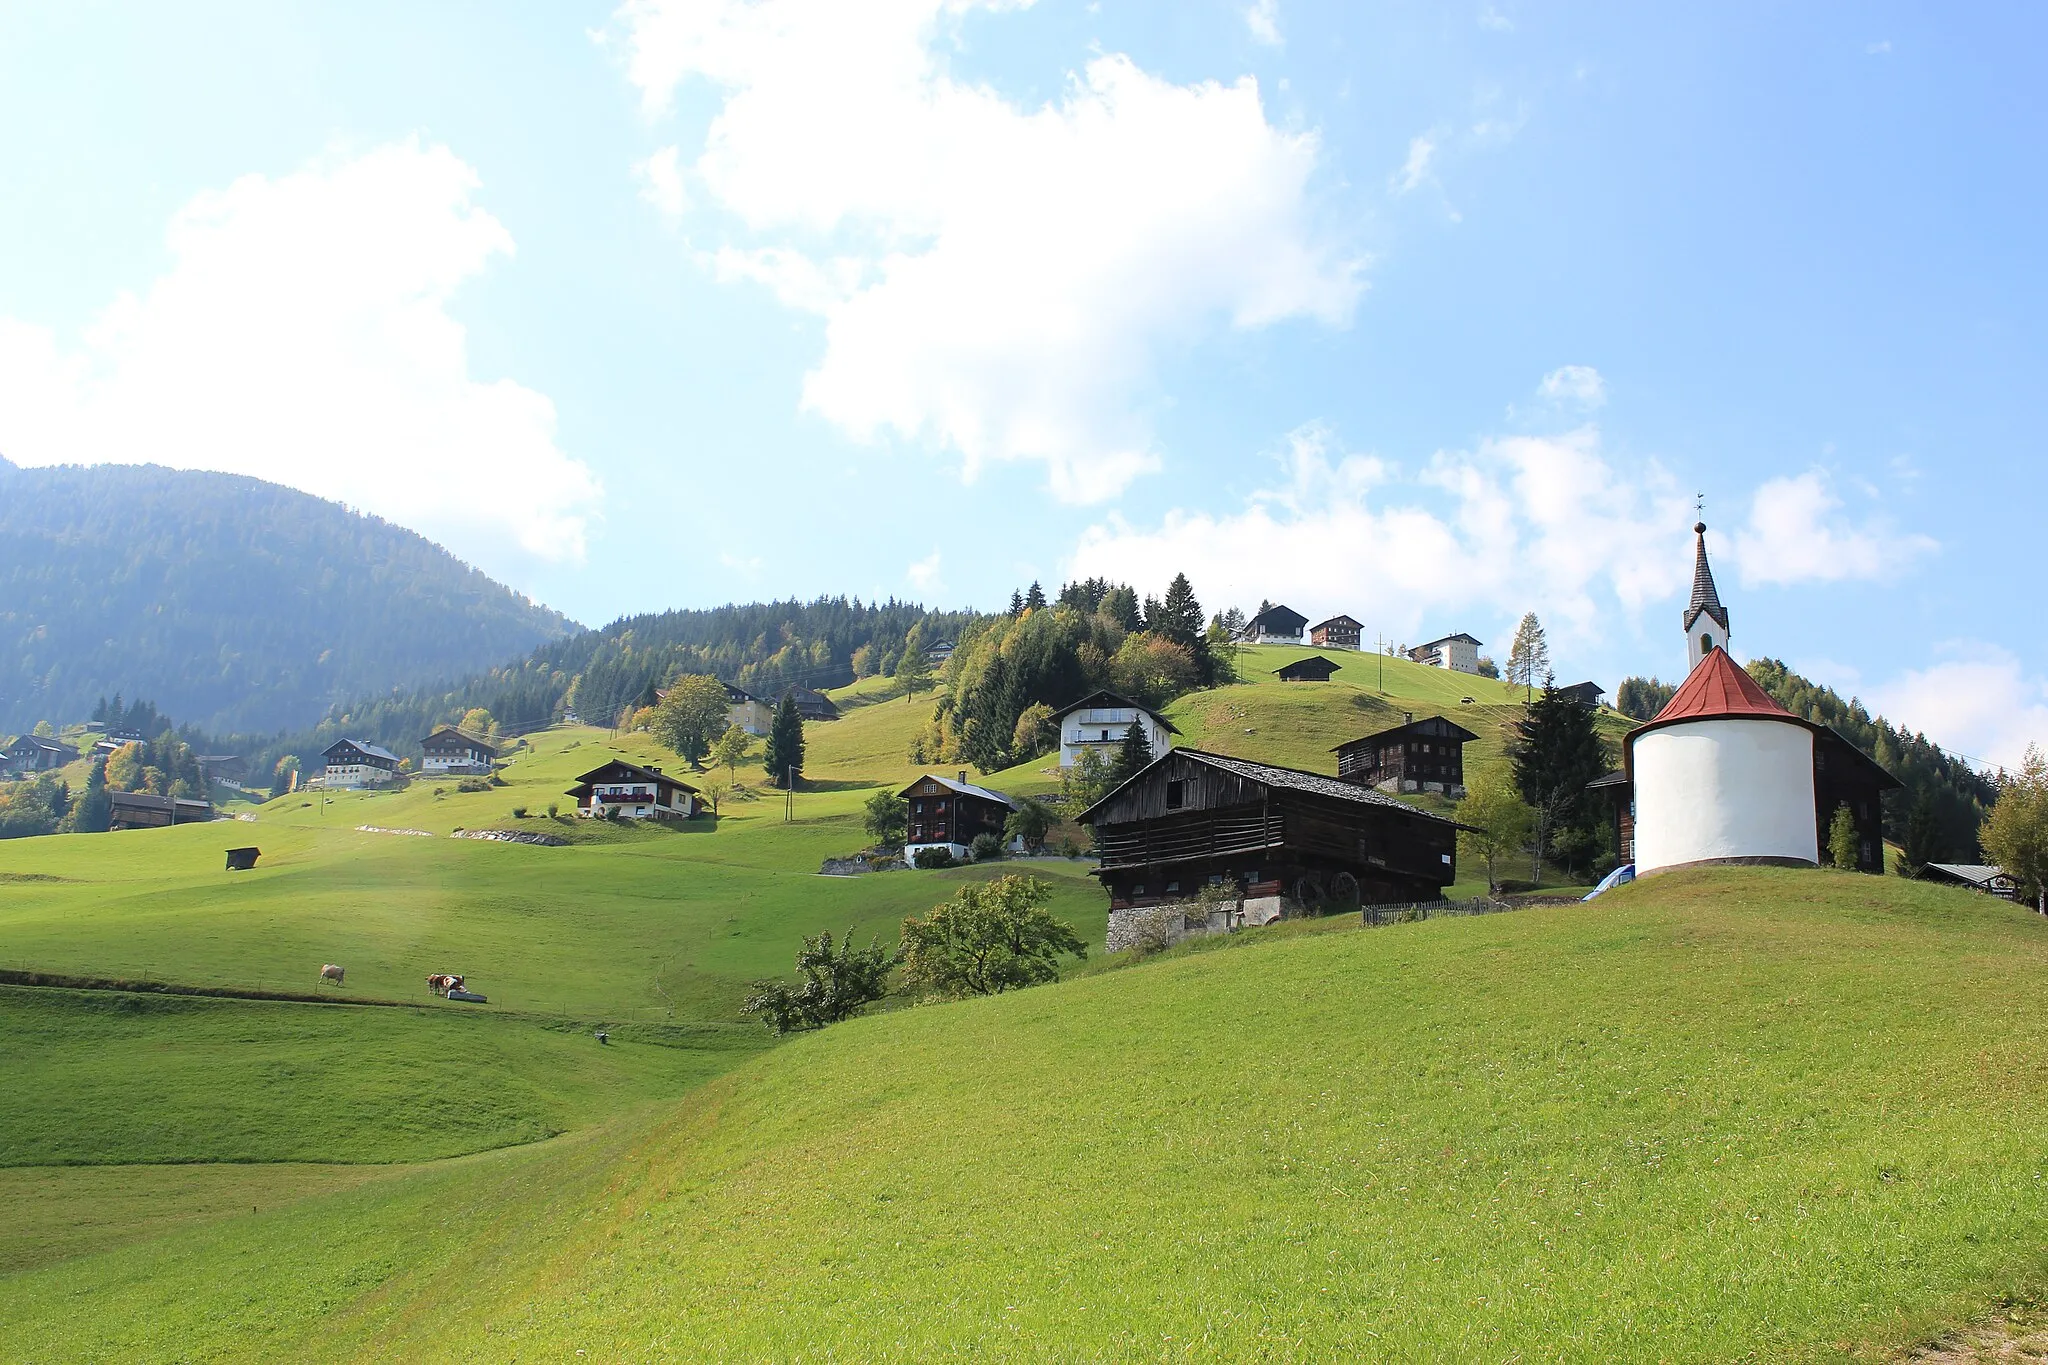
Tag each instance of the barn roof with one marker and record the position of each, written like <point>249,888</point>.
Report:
<point>1441,726</point>
<point>1313,666</point>
<point>1288,779</point>
<point>1108,698</point>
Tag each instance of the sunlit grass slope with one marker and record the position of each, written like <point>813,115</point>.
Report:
<point>1722,1115</point>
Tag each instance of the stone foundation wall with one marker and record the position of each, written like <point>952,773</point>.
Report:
<point>1166,925</point>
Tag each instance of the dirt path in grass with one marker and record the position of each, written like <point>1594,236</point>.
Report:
<point>2017,1336</point>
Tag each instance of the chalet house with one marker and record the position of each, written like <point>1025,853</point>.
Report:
<point>1585,694</point>
<point>230,770</point>
<point>748,712</point>
<point>1459,653</point>
<point>812,705</point>
<point>948,814</point>
<point>448,750</point>
<point>940,654</point>
<point>635,792</point>
<point>1425,755</point>
<point>1315,668</point>
<point>1099,721</point>
<point>348,763</point>
<point>140,810</point>
<point>1193,819</point>
<point>35,754</point>
<point>1274,626</point>
<point>1339,632</point>
<point>1992,881</point>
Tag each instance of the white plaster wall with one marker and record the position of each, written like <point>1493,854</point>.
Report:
<point>1724,788</point>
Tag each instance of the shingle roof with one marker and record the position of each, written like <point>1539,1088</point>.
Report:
<point>1293,779</point>
<point>965,789</point>
<point>1704,597</point>
<point>373,750</point>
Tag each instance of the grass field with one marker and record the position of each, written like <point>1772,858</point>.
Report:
<point>1732,1115</point>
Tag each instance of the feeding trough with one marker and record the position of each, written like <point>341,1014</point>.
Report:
<point>242,859</point>
<point>471,996</point>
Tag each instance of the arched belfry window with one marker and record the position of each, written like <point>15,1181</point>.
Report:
<point>1707,643</point>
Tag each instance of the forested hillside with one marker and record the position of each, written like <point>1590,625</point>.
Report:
<point>229,602</point>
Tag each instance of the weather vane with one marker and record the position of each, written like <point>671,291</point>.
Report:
<point>1699,506</point>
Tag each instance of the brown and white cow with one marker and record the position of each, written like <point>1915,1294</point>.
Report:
<point>330,972</point>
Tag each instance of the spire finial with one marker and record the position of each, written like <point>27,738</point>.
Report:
<point>1699,511</point>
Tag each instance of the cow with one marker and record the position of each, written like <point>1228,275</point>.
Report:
<point>330,972</point>
<point>438,983</point>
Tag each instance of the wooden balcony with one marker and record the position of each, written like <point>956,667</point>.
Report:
<point>1182,841</point>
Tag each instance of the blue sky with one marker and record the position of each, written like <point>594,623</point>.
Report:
<point>1431,314</point>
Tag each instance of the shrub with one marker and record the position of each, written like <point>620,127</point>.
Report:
<point>519,812</point>
<point>554,807</point>
<point>987,847</point>
<point>1030,822</point>
<point>933,858</point>
<point>473,784</point>
<point>885,817</point>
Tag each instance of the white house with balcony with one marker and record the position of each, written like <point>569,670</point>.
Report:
<point>1459,653</point>
<point>1100,720</point>
<point>634,793</point>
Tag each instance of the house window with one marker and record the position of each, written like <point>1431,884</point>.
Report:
<point>1176,795</point>
<point>1172,887</point>
<point>1138,889</point>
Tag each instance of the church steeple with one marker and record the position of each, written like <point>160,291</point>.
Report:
<point>1706,620</point>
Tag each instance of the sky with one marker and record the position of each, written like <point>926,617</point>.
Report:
<point>1429,314</point>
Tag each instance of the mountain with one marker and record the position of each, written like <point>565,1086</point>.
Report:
<point>229,602</point>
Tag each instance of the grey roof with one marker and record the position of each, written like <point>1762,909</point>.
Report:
<point>1704,597</point>
<point>1446,639</point>
<point>373,750</point>
<point>1115,699</point>
<point>1294,779</point>
<point>1617,778</point>
<point>1969,872</point>
<point>450,732</point>
<point>967,789</point>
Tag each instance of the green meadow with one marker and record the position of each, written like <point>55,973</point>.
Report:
<point>1739,1114</point>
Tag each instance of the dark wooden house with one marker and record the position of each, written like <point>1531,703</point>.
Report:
<point>140,810</point>
<point>1278,625</point>
<point>1192,818</point>
<point>1614,792</point>
<point>1425,755</point>
<point>812,705</point>
<point>449,750</point>
<point>948,814</point>
<point>1315,668</point>
<point>1586,694</point>
<point>36,754</point>
<point>633,792</point>
<point>1339,632</point>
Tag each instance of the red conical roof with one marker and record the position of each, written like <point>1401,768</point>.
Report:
<point>1719,687</point>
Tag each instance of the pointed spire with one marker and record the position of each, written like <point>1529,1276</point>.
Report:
<point>1705,600</point>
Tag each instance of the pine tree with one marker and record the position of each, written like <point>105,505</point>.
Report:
<point>1556,750</point>
<point>96,807</point>
<point>1134,756</point>
<point>1016,603</point>
<point>1922,842</point>
<point>1034,600</point>
<point>1529,657</point>
<point>784,760</point>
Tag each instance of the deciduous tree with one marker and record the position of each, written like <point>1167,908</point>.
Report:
<point>2015,834</point>
<point>732,748</point>
<point>1842,839</point>
<point>1502,823</point>
<point>834,983</point>
<point>885,817</point>
<point>692,715</point>
<point>1030,822</point>
<point>1529,656</point>
<point>991,937</point>
<point>1036,733</point>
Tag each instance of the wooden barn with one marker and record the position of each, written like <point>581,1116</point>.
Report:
<point>1425,755</point>
<point>1315,668</point>
<point>140,810</point>
<point>1339,632</point>
<point>1192,818</point>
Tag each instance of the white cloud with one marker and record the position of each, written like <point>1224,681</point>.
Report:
<point>1525,522</point>
<point>1578,385</point>
<point>301,334</point>
<point>1881,48</point>
<point>995,280</point>
<point>1796,534</point>
<point>924,573</point>
<point>1491,18</point>
<point>661,183</point>
<point>1262,17</point>
<point>1981,704</point>
<point>1415,170</point>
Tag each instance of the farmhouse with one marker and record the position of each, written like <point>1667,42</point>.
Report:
<point>449,750</point>
<point>1099,721</point>
<point>1724,774</point>
<point>1585,694</point>
<point>1425,755</point>
<point>351,763</point>
<point>141,810</point>
<point>1315,668</point>
<point>1275,625</point>
<point>1195,819</point>
<point>1339,632</point>
<point>948,814</point>
<point>230,770</point>
<point>1459,653</point>
<point>748,712</point>
<point>812,705</point>
<point>35,754</point>
<point>633,792</point>
<point>1992,881</point>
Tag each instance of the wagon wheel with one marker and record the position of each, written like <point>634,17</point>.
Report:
<point>1344,890</point>
<point>1309,893</point>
